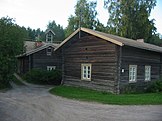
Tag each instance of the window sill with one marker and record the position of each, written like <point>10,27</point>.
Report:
<point>147,80</point>
<point>86,80</point>
<point>132,81</point>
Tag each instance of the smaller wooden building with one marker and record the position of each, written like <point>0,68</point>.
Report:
<point>40,55</point>
<point>107,62</point>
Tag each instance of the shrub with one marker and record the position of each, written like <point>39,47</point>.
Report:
<point>4,86</point>
<point>129,89</point>
<point>38,76</point>
<point>5,81</point>
<point>134,88</point>
<point>155,86</point>
<point>54,77</point>
<point>16,81</point>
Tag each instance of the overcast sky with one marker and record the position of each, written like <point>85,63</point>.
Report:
<point>37,13</point>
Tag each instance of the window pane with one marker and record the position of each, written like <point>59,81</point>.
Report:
<point>88,68</point>
<point>85,68</point>
<point>86,71</point>
<point>88,76</point>
<point>147,73</point>
<point>84,75</point>
<point>132,72</point>
<point>49,51</point>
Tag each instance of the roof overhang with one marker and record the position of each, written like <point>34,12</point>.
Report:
<point>101,36</point>
<point>120,41</point>
<point>35,50</point>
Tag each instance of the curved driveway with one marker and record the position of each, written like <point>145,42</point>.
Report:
<point>34,103</point>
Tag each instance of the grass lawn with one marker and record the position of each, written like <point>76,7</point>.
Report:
<point>107,98</point>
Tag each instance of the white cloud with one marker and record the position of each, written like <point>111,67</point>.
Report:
<point>37,13</point>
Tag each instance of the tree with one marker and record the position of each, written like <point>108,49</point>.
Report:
<point>11,44</point>
<point>85,16</point>
<point>130,18</point>
<point>58,30</point>
<point>32,34</point>
<point>100,27</point>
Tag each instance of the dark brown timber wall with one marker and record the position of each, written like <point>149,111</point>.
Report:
<point>139,57</point>
<point>42,60</point>
<point>100,53</point>
<point>23,64</point>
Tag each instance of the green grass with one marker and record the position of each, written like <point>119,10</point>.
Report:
<point>107,98</point>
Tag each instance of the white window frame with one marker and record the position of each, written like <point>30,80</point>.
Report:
<point>49,37</point>
<point>147,73</point>
<point>49,53</point>
<point>86,70</point>
<point>132,73</point>
<point>50,68</point>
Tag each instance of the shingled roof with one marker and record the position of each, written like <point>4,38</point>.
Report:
<point>30,47</point>
<point>121,41</point>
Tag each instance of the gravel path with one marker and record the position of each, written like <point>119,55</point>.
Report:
<point>34,103</point>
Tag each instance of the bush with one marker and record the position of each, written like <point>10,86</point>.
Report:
<point>155,86</point>
<point>4,84</point>
<point>16,81</point>
<point>129,89</point>
<point>38,76</point>
<point>54,77</point>
<point>5,81</point>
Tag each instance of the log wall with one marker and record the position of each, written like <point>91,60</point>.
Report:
<point>141,58</point>
<point>100,53</point>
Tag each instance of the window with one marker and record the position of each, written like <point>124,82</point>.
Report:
<point>49,37</point>
<point>49,51</point>
<point>50,68</point>
<point>86,72</point>
<point>147,73</point>
<point>132,73</point>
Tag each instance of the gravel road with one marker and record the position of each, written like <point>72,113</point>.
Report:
<point>34,103</point>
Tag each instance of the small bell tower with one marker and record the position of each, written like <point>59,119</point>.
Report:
<point>49,36</point>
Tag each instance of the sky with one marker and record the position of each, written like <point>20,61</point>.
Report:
<point>38,13</point>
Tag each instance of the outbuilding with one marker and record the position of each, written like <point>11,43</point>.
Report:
<point>39,54</point>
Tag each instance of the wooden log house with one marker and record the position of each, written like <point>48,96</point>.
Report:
<point>107,62</point>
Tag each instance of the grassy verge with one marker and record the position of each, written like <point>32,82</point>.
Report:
<point>107,98</point>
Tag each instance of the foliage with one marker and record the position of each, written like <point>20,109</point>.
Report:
<point>16,81</point>
<point>11,44</point>
<point>4,85</point>
<point>130,89</point>
<point>39,35</point>
<point>38,76</point>
<point>34,34</point>
<point>130,18</point>
<point>85,16</point>
<point>107,98</point>
<point>155,86</point>
<point>100,27</point>
<point>57,29</point>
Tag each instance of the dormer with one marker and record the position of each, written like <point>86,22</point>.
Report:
<point>49,36</point>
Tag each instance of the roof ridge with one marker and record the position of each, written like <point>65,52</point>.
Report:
<point>118,40</point>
